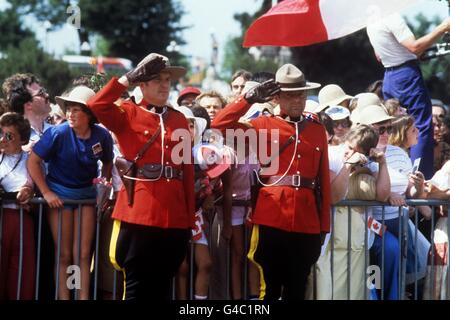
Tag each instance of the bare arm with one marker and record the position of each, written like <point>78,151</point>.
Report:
<point>34,166</point>
<point>107,170</point>
<point>418,46</point>
<point>339,183</point>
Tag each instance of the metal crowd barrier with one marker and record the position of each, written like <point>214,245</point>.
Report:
<point>402,240</point>
<point>402,245</point>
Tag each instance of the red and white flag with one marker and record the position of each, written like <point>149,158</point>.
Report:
<point>376,226</point>
<point>294,23</point>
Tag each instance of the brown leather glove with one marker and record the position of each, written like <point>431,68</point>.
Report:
<point>147,69</point>
<point>263,92</point>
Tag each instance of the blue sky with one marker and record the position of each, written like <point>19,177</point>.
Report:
<point>205,16</point>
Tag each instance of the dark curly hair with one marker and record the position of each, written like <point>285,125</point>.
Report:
<point>16,91</point>
<point>17,120</point>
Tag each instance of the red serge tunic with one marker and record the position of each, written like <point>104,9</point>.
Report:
<point>165,203</point>
<point>285,207</point>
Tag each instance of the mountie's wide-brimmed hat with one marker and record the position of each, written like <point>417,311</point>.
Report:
<point>175,72</point>
<point>291,78</point>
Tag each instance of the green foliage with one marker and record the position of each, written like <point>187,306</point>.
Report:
<point>12,32</point>
<point>435,71</point>
<point>28,57</point>
<point>236,57</point>
<point>349,62</point>
<point>102,47</point>
<point>133,28</point>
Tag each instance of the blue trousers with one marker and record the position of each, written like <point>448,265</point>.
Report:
<point>407,85</point>
<point>391,260</point>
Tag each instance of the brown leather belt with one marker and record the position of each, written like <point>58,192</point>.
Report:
<point>152,171</point>
<point>295,180</point>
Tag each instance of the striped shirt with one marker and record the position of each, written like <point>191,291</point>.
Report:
<point>399,167</point>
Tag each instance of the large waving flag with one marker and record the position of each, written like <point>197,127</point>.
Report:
<point>294,23</point>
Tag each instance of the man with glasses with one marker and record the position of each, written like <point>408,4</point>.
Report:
<point>26,96</point>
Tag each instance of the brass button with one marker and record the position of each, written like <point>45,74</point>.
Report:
<point>146,133</point>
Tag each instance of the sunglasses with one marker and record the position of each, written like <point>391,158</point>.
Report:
<point>41,93</point>
<point>344,124</point>
<point>235,86</point>
<point>8,136</point>
<point>381,130</point>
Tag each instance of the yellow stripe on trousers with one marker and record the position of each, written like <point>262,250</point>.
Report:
<point>112,252</point>
<point>251,255</point>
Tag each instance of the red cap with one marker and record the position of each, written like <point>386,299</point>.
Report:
<point>212,160</point>
<point>186,91</point>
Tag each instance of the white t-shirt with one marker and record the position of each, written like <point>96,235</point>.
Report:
<point>336,157</point>
<point>386,36</point>
<point>399,166</point>
<point>13,180</point>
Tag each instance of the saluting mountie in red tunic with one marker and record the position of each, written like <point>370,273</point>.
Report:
<point>165,203</point>
<point>285,207</point>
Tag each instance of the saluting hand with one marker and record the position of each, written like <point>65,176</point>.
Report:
<point>263,92</point>
<point>147,69</point>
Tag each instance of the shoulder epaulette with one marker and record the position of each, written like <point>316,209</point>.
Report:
<point>313,117</point>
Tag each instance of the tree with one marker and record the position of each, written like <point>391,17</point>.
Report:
<point>21,53</point>
<point>12,31</point>
<point>435,71</point>
<point>28,57</point>
<point>236,57</point>
<point>349,61</point>
<point>131,28</point>
<point>134,28</point>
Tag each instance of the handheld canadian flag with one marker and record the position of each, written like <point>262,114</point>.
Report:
<point>294,23</point>
<point>376,226</point>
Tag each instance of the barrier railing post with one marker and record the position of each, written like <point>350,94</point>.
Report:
<point>228,269</point>
<point>97,246</point>
<point>246,266</point>
<point>366,251</point>
<point>433,211</point>
<point>20,271</point>
<point>382,254</point>
<point>333,212</point>
<point>448,264</point>
<point>58,253</point>
<point>399,240</point>
<point>191,271</point>
<point>349,249</point>
<point>78,262</point>
<point>1,232</point>
<point>38,251</point>
<point>416,218</point>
